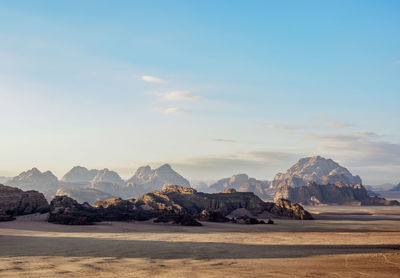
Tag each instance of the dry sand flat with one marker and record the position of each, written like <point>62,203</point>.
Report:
<point>31,247</point>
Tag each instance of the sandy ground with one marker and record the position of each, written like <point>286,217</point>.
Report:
<point>331,247</point>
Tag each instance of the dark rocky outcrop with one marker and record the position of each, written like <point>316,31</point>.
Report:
<point>286,208</point>
<point>65,210</point>
<point>14,201</point>
<point>5,217</point>
<point>248,220</point>
<point>175,204</point>
<point>117,209</point>
<point>175,218</point>
<point>189,201</point>
<point>339,193</point>
<point>212,216</point>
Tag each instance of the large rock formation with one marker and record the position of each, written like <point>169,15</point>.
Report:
<point>187,200</point>
<point>45,182</point>
<point>82,195</point>
<point>339,194</point>
<point>14,201</point>
<point>243,183</point>
<point>314,169</point>
<point>173,203</point>
<point>146,179</point>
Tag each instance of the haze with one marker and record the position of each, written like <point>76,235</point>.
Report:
<point>239,87</point>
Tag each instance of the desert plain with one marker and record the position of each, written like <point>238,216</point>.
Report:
<point>341,242</point>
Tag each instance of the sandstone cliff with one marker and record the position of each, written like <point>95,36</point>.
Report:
<point>339,193</point>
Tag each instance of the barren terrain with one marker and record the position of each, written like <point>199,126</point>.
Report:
<point>333,246</point>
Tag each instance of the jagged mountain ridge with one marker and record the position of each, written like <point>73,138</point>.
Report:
<point>45,182</point>
<point>147,179</point>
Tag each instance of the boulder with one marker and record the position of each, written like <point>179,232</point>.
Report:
<point>14,201</point>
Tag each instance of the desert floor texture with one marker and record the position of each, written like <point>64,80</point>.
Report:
<point>344,242</point>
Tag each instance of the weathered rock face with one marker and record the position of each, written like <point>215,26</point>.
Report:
<point>146,179</point>
<point>65,210</point>
<point>243,183</point>
<point>82,195</point>
<point>314,169</point>
<point>315,194</point>
<point>116,209</point>
<point>14,201</point>
<point>33,179</point>
<point>188,201</point>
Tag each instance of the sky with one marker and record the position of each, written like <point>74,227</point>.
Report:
<point>214,88</point>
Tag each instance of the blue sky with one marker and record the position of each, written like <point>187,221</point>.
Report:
<point>212,87</point>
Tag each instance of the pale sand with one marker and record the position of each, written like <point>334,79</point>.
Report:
<point>31,247</point>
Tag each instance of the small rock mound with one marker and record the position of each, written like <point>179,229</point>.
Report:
<point>289,209</point>
<point>212,216</point>
<point>183,219</point>
<point>247,220</point>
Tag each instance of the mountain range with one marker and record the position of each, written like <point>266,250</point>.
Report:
<point>93,185</point>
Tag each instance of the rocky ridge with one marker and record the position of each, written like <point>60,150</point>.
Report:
<point>173,203</point>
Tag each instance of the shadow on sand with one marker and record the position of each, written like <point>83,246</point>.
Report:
<point>12,246</point>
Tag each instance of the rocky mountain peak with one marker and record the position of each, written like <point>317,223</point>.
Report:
<point>316,169</point>
<point>79,174</point>
<point>107,176</point>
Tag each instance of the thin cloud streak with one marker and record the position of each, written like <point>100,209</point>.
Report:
<point>177,96</point>
<point>222,140</point>
<point>152,79</point>
<point>172,111</point>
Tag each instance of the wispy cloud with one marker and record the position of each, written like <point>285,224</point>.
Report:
<point>222,140</point>
<point>176,96</point>
<point>397,62</point>
<point>284,126</point>
<point>259,164</point>
<point>338,125</point>
<point>152,79</point>
<point>360,149</point>
<point>172,110</point>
